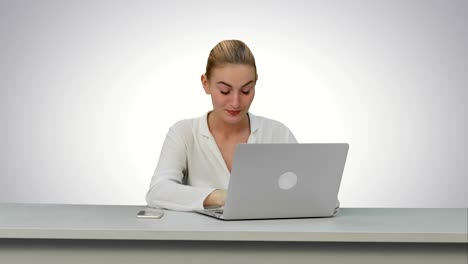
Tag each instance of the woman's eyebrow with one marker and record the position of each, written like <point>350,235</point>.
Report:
<point>247,84</point>
<point>225,84</point>
<point>221,82</point>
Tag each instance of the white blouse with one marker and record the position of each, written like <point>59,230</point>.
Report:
<point>191,165</point>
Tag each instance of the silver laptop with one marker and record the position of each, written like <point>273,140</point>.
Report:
<point>283,181</point>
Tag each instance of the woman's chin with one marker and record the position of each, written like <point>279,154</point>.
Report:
<point>233,119</point>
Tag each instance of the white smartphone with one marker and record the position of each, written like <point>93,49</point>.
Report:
<point>150,214</point>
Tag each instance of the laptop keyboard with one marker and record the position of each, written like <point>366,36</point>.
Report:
<point>215,210</point>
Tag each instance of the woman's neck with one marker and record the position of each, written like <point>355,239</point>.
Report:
<point>217,126</point>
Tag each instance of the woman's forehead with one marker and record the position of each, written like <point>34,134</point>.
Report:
<point>234,73</point>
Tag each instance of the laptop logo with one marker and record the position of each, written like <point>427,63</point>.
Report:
<point>287,180</point>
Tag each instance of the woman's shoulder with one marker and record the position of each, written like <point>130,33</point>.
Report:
<point>262,122</point>
<point>187,127</point>
<point>269,130</point>
<point>184,123</point>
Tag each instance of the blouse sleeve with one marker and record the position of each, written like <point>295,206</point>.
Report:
<point>167,188</point>
<point>290,138</point>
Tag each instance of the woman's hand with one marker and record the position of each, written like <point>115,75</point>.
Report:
<point>217,197</point>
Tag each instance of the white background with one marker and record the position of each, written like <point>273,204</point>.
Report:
<point>88,90</point>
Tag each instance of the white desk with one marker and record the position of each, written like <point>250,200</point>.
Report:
<point>112,234</point>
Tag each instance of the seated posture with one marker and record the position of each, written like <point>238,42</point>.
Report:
<point>196,158</point>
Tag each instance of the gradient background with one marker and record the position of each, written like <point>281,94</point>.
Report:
<point>88,90</point>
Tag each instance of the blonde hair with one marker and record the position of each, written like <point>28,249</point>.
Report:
<point>230,52</point>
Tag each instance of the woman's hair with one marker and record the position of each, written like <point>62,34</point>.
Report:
<point>230,52</point>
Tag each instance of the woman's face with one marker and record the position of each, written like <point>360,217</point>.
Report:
<point>232,90</point>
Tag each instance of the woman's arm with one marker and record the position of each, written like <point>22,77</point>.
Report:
<point>217,197</point>
<point>167,189</point>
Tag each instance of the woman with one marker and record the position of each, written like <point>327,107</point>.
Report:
<point>196,158</point>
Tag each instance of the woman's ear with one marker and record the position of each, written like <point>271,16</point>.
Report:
<point>205,83</point>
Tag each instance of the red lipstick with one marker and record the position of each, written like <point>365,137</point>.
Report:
<point>233,113</point>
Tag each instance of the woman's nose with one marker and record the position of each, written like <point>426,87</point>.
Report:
<point>235,100</point>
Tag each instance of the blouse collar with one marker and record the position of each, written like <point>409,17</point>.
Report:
<point>205,131</point>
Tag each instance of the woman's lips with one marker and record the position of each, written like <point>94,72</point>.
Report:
<point>233,113</point>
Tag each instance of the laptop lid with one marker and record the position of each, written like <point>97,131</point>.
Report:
<point>285,180</point>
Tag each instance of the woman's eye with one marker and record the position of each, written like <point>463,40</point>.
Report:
<point>246,92</point>
<point>225,92</point>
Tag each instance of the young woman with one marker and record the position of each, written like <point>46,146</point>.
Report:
<point>196,158</point>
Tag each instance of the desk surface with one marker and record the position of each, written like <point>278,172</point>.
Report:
<point>45,221</point>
